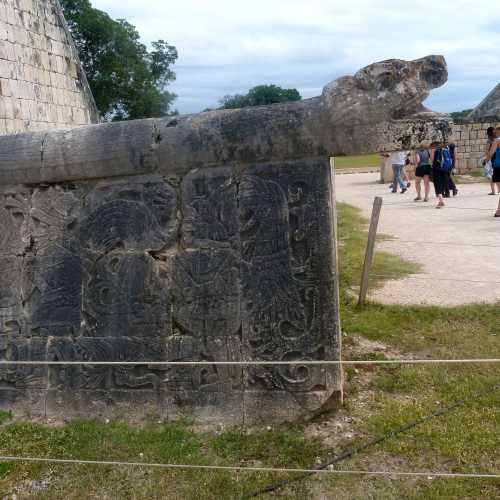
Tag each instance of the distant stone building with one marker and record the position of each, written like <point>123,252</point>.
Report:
<point>469,135</point>
<point>489,108</point>
<point>42,83</point>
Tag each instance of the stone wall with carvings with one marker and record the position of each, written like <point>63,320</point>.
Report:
<point>42,84</point>
<point>221,263</point>
<point>201,238</point>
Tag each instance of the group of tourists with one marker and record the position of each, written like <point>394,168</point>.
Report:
<point>436,164</point>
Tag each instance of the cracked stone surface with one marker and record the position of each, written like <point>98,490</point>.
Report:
<point>197,238</point>
<point>225,265</point>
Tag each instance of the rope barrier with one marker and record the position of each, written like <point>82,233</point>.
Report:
<point>380,439</point>
<point>255,363</point>
<point>63,461</point>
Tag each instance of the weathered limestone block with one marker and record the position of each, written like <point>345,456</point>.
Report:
<point>370,111</point>
<point>201,238</point>
<point>223,264</point>
<point>39,66</point>
<point>489,108</point>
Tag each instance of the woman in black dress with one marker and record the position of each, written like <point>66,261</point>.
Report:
<point>439,176</point>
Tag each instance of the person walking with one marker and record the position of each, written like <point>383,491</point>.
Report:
<point>450,184</point>
<point>441,164</point>
<point>490,132</point>
<point>423,173</point>
<point>494,152</point>
<point>398,160</point>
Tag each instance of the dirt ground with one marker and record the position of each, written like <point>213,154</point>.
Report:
<point>458,246</point>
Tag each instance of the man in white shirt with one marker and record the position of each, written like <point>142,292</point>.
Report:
<point>398,159</point>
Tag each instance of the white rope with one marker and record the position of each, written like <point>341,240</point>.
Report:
<point>254,363</point>
<point>250,469</point>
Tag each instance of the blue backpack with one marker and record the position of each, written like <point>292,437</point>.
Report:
<point>496,160</point>
<point>444,159</point>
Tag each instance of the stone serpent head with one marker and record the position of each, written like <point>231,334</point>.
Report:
<point>385,90</point>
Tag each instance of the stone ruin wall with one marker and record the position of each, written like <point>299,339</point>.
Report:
<point>471,140</point>
<point>42,84</point>
<point>157,263</point>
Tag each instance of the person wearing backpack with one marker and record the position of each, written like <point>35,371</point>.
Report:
<point>494,156</point>
<point>423,173</point>
<point>441,166</point>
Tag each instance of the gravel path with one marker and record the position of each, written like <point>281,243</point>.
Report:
<point>457,246</point>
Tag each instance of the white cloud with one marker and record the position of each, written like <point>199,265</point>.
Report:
<point>227,46</point>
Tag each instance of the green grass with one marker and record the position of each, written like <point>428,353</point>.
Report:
<point>359,161</point>
<point>352,246</point>
<point>152,442</point>
<point>464,440</point>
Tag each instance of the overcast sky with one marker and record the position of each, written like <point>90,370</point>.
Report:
<point>228,46</point>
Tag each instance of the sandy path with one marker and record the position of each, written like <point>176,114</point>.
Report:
<point>446,242</point>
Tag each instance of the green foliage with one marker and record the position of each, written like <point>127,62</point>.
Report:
<point>460,115</point>
<point>358,161</point>
<point>127,80</point>
<point>259,96</point>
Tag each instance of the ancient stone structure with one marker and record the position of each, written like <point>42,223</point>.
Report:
<point>198,238</point>
<point>42,84</point>
<point>488,109</point>
<point>470,139</point>
<point>469,135</point>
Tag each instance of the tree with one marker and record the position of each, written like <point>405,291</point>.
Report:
<point>460,115</point>
<point>127,80</point>
<point>260,95</point>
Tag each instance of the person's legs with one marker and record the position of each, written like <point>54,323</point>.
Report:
<point>395,179</point>
<point>440,183</point>
<point>398,178</point>
<point>493,186</point>
<point>406,177</point>
<point>418,187</point>
<point>447,182</point>
<point>497,213</point>
<point>427,187</point>
<point>451,184</point>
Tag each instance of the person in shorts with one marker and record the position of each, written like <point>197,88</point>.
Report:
<point>423,174</point>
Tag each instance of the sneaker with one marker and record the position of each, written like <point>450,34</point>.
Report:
<point>408,186</point>
<point>455,192</point>
<point>403,191</point>
<point>426,199</point>
<point>394,191</point>
<point>418,199</point>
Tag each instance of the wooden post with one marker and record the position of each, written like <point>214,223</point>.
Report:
<point>370,249</point>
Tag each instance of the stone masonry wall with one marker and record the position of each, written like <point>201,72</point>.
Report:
<point>470,140</point>
<point>42,84</point>
<point>122,255</point>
